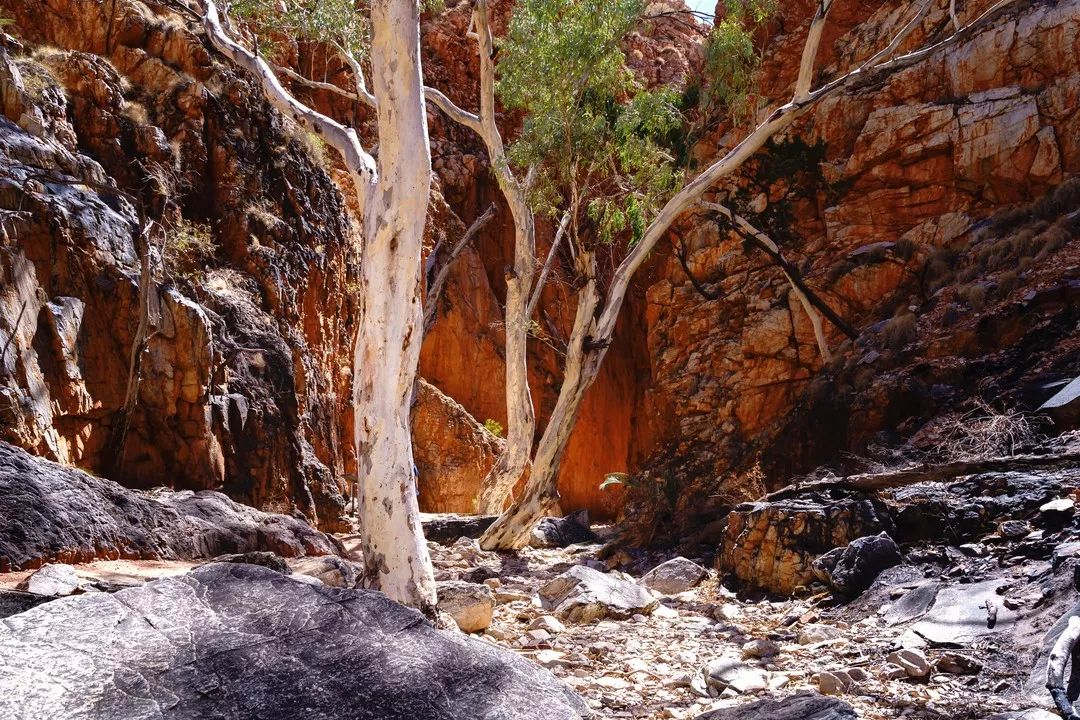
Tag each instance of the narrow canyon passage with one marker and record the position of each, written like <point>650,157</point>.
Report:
<point>539,359</point>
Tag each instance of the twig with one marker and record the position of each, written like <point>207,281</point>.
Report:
<point>431,302</point>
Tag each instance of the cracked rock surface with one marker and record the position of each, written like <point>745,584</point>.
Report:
<point>52,513</point>
<point>244,642</point>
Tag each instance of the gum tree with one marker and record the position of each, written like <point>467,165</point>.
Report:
<point>392,192</point>
<point>596,144</point>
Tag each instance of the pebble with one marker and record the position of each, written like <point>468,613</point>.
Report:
<point>814,633</point>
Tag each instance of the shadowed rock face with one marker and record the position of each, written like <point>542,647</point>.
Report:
<point>52,513</point>
<point>804,706</point>
<point>244,642</point>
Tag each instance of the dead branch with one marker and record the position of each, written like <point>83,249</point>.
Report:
<point>544,271</point>
<point>431,302</point>
<point>929,473</point>
<point>809,299</point>
<point>1064,650</point>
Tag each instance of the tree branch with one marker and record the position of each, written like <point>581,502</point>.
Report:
<point>777,120</point>
<point>810,50</point>
<point>810,300</point>
<point>928,473</point>
<point>431,302</point>
<point>359,162</point>
<point>534,300</point>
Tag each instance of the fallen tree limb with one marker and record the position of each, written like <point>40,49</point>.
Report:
<point>929,473</point>
<point>1056,664</point>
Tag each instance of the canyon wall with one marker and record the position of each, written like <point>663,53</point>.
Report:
<point>892,199</point>
<point>881,197</point>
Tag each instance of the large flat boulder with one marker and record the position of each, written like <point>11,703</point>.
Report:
<point>583,595</point>
<point>962,614</point>
<point>53,513</point>
<point>244,642</point>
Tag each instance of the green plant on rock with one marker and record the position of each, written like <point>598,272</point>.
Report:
<point>494,427</point>
<point>188,248</point>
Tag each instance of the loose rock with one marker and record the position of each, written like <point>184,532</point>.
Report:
<point>674,576</point>
<point>582,595</point>
<point>470,604</point>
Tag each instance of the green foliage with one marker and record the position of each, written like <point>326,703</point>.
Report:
<point>335,22</point>
<point>494,427</point>
<point>731,59</point>
<point>594,134</point>
<point>188,249</point>
<point>328,21</point>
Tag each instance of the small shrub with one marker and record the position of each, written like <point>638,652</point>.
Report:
<point>968,274</point>
<point>984,432</point>
<point>1007,282</point>
<point>1064,199</point>
<point>952,315</point>
<point>900,331</point>
<point>188,249</point>
<point>494,427</point>
<point>972,295</point>
<point>840,270</point>
<point>39,81</point>
<point>905,249</point>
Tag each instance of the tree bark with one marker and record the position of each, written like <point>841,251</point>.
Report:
<point>512,530</point>
<point>1064,650</point>
<point>393,196</point>
<point>390,330</point>
<point>520,415</point>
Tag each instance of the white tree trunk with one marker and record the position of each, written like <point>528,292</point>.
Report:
<point>393,196</point>
<point>511,531</point>
<point>390,329</point>
<point>520,416</point>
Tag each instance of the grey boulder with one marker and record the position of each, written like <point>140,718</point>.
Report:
<point>582,595</point>
<point>52,513</point>
<point>674,576</point>
<point>852,569</point>
<point>962,614</point>
<point>243,642</point>
<point>564,531</point>
<point>54,580</point>
<point>446,528</point>
<point>804,706</point>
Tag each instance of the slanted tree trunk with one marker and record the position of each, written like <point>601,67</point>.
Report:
<point>520,416</point>
<point>511,530</point>
<point>393,196</point>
